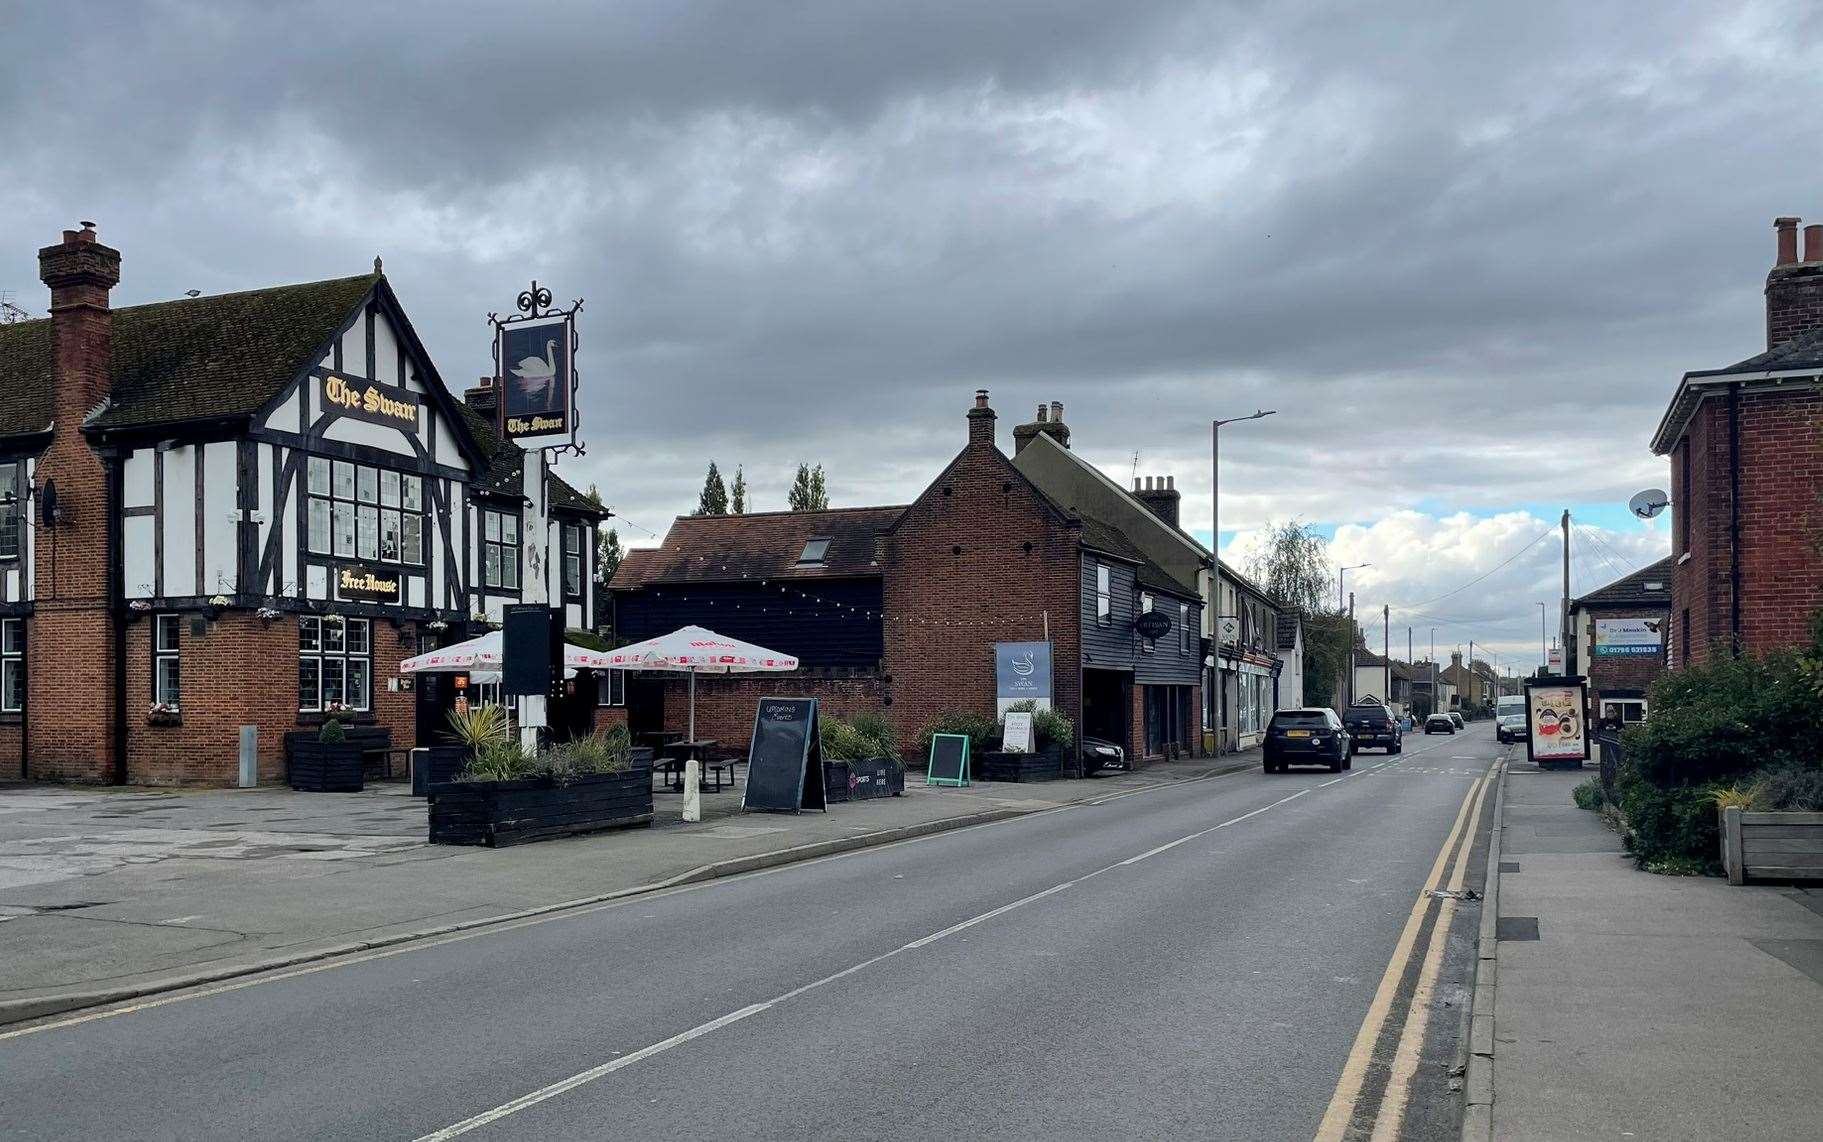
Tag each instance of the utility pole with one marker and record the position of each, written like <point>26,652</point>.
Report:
<point>1544,656</point>
<point>1386,648</point>
<point>1568,666</point>
<point>1411,689</point>
<point>1471,668</point>
<point>1351,648</point>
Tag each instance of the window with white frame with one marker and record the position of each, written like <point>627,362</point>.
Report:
<point>12,511</point>
<point>1183,628</point>
<point>358,511</point>
<point>1104,596</point>
<point>1146,645</point>
<point>500,550</point>
<point>167,632</point>
<point>12,665</point>
<point>572,560</point>
<point>335,664</point>
<point>611,688</point>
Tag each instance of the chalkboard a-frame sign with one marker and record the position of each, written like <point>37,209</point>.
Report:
<point>948,760</point>
<point>785,761</point>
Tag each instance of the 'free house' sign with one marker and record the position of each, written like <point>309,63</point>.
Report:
<point>367,584</point>
<point>395,408</point>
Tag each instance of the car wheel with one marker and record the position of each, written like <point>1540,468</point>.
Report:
<point>1396,747</point>
<point>1335,766</point>
<point>1348,760</point>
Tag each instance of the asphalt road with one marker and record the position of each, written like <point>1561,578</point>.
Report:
<point>1192,962</point>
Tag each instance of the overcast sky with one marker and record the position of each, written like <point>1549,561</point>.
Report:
<point>1465,250</point>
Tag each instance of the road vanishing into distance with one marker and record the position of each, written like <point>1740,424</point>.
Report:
<point>1248,956</point>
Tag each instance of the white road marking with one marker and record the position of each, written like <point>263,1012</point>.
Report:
<point>602,1070</point>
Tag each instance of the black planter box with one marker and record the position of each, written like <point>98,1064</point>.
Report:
<point>500,813</point>
<point>871,777</point>
<point>836,776</point>
<point>436,765</point>
<point>313,766</point>
<point>1045,765</point>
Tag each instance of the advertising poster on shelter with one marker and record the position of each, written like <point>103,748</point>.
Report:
<point>1556,716</point>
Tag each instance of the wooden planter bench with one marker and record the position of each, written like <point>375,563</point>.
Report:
<point>1785,845</point>
<point>501,813</point>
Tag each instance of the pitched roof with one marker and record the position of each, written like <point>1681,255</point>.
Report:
<point>1631,590</point>
<point>1105,537</point>
<point>762,545</point>
<point>1803,353</point>
<point>1287,629</point>
<point>193,358</point>
<point>1784,365</point>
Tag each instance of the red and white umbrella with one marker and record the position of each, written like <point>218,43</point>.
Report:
<point>693,650</point>
<point>482,653</point>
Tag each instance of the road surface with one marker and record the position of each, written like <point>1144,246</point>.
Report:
<point>1235,957</point>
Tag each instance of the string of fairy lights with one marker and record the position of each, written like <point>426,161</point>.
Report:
<point>789,606</point>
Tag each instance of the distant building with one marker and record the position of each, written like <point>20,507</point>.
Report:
<point>1746,450</point>
<point>1290,646</point>
<point>1623,627</point>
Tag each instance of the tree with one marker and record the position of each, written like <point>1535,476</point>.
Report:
<point>714,500</point>
<point>608,554</point>
<point>808,493</point>
<point>1294,567</point>
<point>739,492</point>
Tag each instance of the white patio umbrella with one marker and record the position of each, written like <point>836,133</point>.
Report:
<point>693,650</point>
<point>482,653</point>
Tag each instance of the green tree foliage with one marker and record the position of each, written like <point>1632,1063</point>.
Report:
<point>808,492</point>
<point>714,500</point>
<point>1294,567</point>
<point>738,492</point>
<point>608,554</point>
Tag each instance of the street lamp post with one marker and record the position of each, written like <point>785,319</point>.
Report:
<point>1544,655</point>
<point>1341,571</point>
<point>1215,561</point>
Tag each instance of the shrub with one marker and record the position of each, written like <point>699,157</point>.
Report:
<point>1787,788</point>
<point>1671,825</point>
<point>502,759</point>
<point>480,726</point>
<point>1588,794</point>
<point>841,741</point>
<point>1049,725</point>
<point>979,728</point>
<point>872,725</point>
<point>332,733</point>
<point>597,753</point>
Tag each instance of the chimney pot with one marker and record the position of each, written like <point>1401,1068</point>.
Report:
<point>1057,411</point>
<point>1813,242</point>
<point>1040,417</point>
<point>981,421</point>
<point>1787,229</point>
<point>1171,483</point>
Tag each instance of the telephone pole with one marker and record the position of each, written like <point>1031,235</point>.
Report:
<point>1386,648</point>
<point>1565,621</point>
<point>1351,648</point>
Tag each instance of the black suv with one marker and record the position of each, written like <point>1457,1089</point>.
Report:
<point>1306,737</point>
<point>1373,724</point>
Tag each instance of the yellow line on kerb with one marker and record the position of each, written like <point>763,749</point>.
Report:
<point>1354,1071</point>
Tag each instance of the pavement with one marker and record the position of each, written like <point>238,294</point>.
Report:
<point>110,893</point>
<point>1632,1005</point>
<point>1209,959</point>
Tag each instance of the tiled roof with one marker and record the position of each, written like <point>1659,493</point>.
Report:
<point>1287,630</point>
<point>506,466</point>
<point>1107,538</point>
<point>1799,353</point>
<point>763,545</point>
<point>1631,590</point>
<point>189,359</point>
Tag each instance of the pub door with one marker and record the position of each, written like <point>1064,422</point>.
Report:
<point>436,697</point>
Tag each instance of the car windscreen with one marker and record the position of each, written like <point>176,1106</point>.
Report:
<point>1297,720</point>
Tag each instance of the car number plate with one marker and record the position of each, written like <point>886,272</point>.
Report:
<point>1297,733</point>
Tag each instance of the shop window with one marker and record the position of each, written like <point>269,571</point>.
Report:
<point>335,664</point>
<point>357,511</point>
<point>572,560</point>
<point>1104,596</point>
<point>167,630</point>
<point>500,550</point>
<point>611,688</point>
<point>1183,628</point>
<point>12,499</point>
<point>12,665</point>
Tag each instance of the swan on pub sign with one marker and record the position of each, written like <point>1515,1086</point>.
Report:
<point>534,373</point>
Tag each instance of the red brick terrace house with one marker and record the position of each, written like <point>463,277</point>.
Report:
<point>899,609</point>
<point>1746,449</point>
<point>1618,639</point>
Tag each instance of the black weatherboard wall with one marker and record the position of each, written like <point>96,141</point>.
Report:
<point>838,627</point>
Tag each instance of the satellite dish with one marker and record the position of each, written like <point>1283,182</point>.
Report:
<point>1649,503</point>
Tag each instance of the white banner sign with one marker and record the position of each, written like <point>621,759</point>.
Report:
<point>1640,636</point>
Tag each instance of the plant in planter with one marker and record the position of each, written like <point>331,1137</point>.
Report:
<point>858,759</point>
<point>1773,828</point>
<point>980,730</point>
<point>1055,735</point>
<point>506,795</point>
<point>329,764</point>
<point>164,714</point>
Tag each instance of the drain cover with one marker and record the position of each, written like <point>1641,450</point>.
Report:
<point>1509,866</point>
<point>1516,928</point>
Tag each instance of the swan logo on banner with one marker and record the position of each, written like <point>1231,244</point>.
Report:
<point>536,379</point>
<point>1022,672</point>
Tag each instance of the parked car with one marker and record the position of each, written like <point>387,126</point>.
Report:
<point>1307,737</point>
<point>1439,724</point>
<point>1098,753</point>
<point>1509,718</point>
<point>1456,720</point>
<point>1373,724</point>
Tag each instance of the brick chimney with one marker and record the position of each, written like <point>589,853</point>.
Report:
<point>981,422</point>
<point>1794,287</point>
<point>80,271</point>
<point>1159,494</point>
<point>1048,421</point>
<point>484,398</point>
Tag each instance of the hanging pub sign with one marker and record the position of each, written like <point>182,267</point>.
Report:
<point>367,584</point>
<point>1152,624</point>
<point>377,404</point>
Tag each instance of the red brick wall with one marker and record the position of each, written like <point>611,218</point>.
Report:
<point>1781,466</point>
<point>1794,302</point>
<point>9,750</point>
<point>725,705</point>
<point>978,559</point>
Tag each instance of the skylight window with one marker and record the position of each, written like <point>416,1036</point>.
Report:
<point>812,555</point>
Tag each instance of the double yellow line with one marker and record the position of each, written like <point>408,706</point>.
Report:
<point>1403,1063</point>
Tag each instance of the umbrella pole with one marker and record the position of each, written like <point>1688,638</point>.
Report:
<point>693,703</point>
